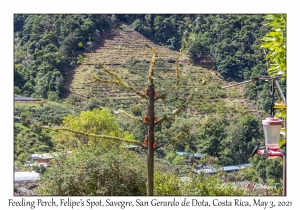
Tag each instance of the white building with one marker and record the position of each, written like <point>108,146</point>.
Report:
<point>28,176</point>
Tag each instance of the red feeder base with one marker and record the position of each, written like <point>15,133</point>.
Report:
<point>271,152</point>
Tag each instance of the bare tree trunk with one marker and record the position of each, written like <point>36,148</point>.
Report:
<point>150,175</point>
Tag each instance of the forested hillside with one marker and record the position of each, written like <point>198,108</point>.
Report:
<point>46,46</point>
<point>55,57</point>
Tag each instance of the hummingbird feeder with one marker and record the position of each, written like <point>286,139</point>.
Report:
<point>272,128</point>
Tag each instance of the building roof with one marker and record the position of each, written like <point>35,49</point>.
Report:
<point>34,155</point>
<point>51,155</point>
<point>26,176</point>
<point>246,165</point>
<point>207,170</point>
<point>225,168</point>
<point>231,168</point>
<point>46,156</point>
<point>24,99</point>
<point>197,155</point>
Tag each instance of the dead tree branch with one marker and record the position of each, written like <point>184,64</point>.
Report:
<point>152,65</point>
<point>90,134</point>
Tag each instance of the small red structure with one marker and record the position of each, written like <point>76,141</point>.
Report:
<point>271,152</point>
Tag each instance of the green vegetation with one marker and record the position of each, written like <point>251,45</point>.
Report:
<point>46,47</point>
<point>51,53</point>
<point>232,41</point>
<point>275,42</point>
<point>92,170</point>
<point>30,140</point>
<point>95,122</point>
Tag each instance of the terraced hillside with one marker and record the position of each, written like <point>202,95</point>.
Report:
<point>124,52</point>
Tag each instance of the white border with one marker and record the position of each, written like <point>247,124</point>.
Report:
<point>152,6</point>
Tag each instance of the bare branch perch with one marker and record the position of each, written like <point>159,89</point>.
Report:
<point>90,134</point>
<point>152,65</point>
<point>158,146</point>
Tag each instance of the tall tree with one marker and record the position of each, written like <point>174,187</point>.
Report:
<point>150,120</point>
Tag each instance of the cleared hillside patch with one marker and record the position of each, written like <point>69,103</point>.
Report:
<point>124,52</point>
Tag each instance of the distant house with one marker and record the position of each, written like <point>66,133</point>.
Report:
<point>225,168</point>
<point>207,170</point>
<point>21,99</point>
<point>231,168</point>
<point>196,155</point>
<point>17,98</point>
<point>39,159</point>
<point>34,156</point>
<point>26,176</point>
<point>44,158</point>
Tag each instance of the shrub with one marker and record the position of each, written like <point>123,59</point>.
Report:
<point>167,184</point>
<point>207,185</point>
<point>52,96</point>
<point>92,171</point>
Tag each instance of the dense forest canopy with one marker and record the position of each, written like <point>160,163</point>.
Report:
<point>46,46</point>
